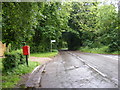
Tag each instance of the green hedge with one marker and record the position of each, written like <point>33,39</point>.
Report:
<point>13,59</point>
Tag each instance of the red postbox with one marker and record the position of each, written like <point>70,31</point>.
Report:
<point>26,50</point>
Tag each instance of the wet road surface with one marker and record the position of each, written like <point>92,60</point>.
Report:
<point>68,71</point>
<point>107,64</point>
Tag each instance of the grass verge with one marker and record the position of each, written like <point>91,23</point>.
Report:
<point>102,50</point>
<point>45,54</point>
<point>11,78</point>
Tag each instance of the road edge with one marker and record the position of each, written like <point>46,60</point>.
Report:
<point>100,73</point>
<point>35,77</point>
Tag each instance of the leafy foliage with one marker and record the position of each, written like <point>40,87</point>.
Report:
<point>97,25</point>
<point>80,24</point>
<point>50,26</point>
<point>12,60</point>
<point>8,82</point>
<point>18,22</point>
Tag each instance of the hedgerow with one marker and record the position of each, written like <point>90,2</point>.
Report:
<point>13,59</point>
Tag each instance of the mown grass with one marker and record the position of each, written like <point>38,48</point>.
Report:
<point>11,78</point>
<point>45,54</point>
<point>102,50</point>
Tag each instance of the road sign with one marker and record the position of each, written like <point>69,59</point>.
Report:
<point>51,43</point>
<point>53,40</point>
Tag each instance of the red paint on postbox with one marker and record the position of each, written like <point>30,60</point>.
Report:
<point>26,50</point>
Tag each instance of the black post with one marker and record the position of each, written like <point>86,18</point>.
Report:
<point>26,60</point>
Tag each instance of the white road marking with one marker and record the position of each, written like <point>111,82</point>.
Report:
<point>102,74</point>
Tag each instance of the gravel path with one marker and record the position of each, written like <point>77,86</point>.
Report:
<point>41,60</point>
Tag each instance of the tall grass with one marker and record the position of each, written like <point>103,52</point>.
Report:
<point>102,50</point>
<point>11,78</point>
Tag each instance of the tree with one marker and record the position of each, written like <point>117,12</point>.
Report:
<point>82,22</point>
<point>107,27</point>
<point>51,25</point>
<point>18,22</point>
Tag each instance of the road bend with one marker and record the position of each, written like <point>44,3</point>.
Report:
<point>80,70</point>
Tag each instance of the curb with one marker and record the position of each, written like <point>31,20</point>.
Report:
<point>35,77</point>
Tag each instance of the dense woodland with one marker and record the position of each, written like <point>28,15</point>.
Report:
<point>71,24</point>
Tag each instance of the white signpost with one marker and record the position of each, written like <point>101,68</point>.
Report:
<point>51,43</point>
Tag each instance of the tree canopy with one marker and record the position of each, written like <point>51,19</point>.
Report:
<point>79,24</point>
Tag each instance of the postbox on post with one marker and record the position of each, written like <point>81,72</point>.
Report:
<point>26,52</point>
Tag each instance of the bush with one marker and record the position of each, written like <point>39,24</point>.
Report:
<point>113,47</point>
<point>13,59</point>
<point>102,49</point>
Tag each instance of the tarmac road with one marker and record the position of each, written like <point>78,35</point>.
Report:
<point>107,64</point>
<point>81,70</point>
